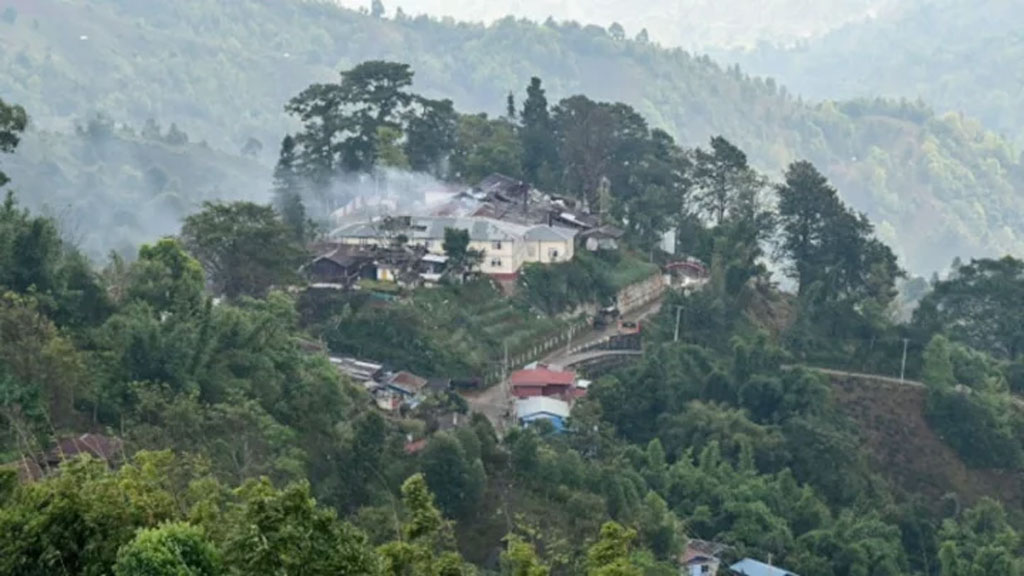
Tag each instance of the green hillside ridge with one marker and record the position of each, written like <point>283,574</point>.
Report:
<point>957,54</point>
<point>936,186</point>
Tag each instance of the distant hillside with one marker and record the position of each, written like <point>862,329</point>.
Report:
<point>962,55</point>
<point>112,189</point>
<point>222,70</point>
<point>686,23</point>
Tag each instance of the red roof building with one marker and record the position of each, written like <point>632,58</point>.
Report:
<point>542,382</point>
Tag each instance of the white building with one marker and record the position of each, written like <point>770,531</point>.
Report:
<point>504,245</point>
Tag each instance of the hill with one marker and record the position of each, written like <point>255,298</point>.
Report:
<point>908,453</point>
<point>935,185</point>
<point>687,23</point>
<point>957,54</point>
<point>111,188</point>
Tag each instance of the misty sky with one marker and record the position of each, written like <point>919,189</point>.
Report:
<point>692,24</point>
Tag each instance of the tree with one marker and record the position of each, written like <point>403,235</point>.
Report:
<point>13,121</point>
<point>617,32</point>
<point>175,136</point>
<point>461,259</point>
<point>609,556</point>
<point>252,147</point>
<point>587,144</point>
<point>288,191</point>
<point>342,122</point>
<point>285,532</point>
<point>510,107</point>
<point>980,301</point>
<point>484,146</point>
<point>430,135</point>
<point>520,559</point>
<point>723,180</point>
<point>643,37</point>
<point>377,9</point>
<point>175,549</point>
<point>456,480</point>
<point>829,250</point>
<point>166,278</point>
<point>537,135</point>
<point>658,528</point>
<point>243,247</point>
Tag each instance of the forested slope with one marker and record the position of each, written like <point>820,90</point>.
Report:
<point>686,23</point>
<point>114,187</point>
<point>957,54</point>
<point>936,186</point>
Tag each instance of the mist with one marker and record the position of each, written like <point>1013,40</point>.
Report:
<point>112,189</point>
<point>690,24</point>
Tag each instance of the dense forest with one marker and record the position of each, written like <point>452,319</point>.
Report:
<point>934,184</point>
<point>243,451</point>
<point>958,55</point>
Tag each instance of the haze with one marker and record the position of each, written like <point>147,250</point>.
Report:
<point>693,24</point>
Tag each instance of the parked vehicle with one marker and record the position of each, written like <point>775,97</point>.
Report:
<point>629,327</point>
<point>605,317</point>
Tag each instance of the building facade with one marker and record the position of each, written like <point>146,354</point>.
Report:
<point>505,246</point>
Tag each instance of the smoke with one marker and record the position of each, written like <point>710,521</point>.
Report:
<point>109,189</point>
<point>385,192</point>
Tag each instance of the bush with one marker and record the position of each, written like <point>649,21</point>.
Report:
<point>977,426</point>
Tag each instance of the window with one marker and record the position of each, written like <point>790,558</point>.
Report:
<point>496,245</point>
<point>705,569</point>
<point>495,262</point>
<point>553,253</point>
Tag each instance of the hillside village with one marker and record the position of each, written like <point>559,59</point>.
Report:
<point>555,340</point>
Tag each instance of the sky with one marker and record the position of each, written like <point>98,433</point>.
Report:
<point>690,24</point>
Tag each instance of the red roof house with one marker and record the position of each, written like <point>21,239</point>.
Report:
<point>542,382</point>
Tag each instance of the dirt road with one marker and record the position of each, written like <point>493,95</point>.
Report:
<point>497,403</point>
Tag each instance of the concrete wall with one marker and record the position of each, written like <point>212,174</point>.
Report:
<point>638,295</point>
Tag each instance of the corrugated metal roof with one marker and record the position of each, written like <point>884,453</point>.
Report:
<point>541,377</point>
<point>541,405</point>
<point>480,230</point>
<point>750,567</point>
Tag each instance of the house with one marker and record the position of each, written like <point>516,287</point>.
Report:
<point>701,558</point>
<point>542,381</point>
<point>601,238</point>
<point>357,370</point>
<point>541,408</point>
<point>405,383</point>
<point>432,267</point>
<point>505,246</point>
<point>439,385</point>
<point>749,567</point>
<point>339,267</point>
<point>106,448</point>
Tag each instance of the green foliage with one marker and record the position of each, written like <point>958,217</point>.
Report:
<point>284,532</point>
<point>981,300</point>
<point>609,556</point>
<point>169,550</point>
<point>874,149</point>
<point>12,123</point>
<point>520,559</point>
<point>980,427</point>
<point>461,259</point>
<point>244,247</point>
<point>454,477</point>
<point>965,31</point>
<point>484,146</point>
<point>981,542</point>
